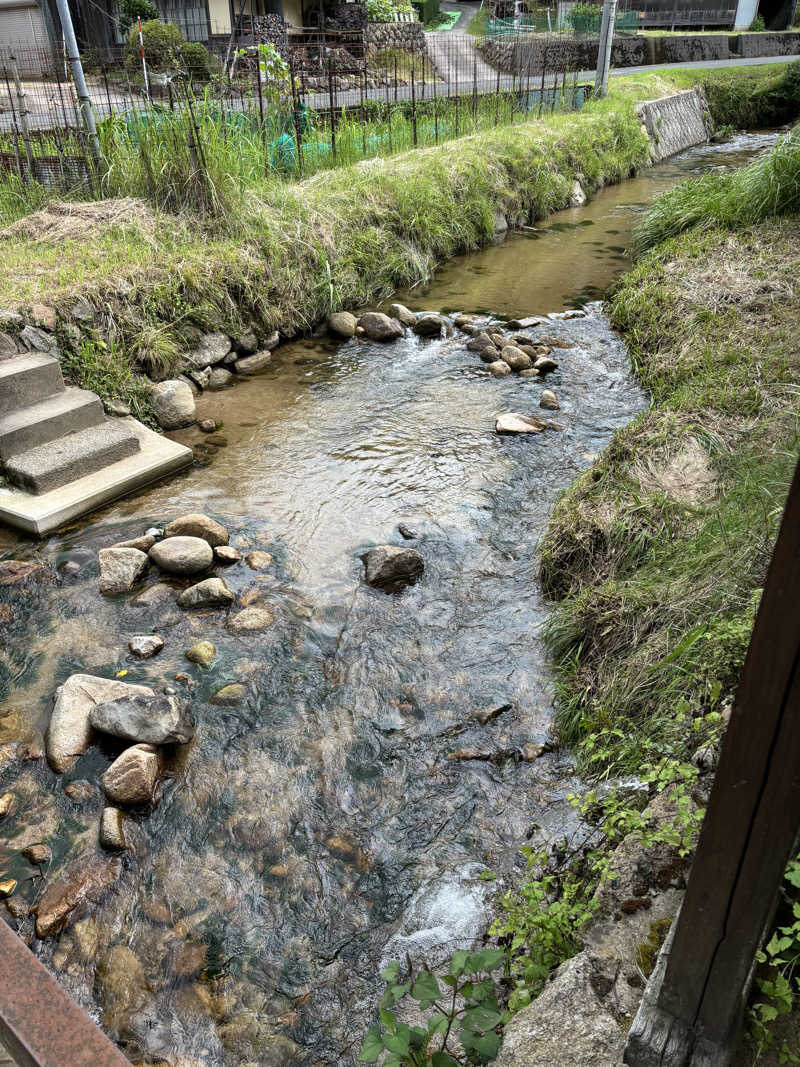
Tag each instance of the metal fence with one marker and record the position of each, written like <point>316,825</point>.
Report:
<point>337,105</point>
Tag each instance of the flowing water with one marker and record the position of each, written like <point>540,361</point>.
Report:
<point>317,828</point>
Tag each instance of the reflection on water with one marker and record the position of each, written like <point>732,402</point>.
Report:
<point>317,828</point>
<point>575,255</point>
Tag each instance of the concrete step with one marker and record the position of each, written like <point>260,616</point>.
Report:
<point>28,379</point>
<point>40,515</point>
<point>71,457</point>
<point>29,427</point>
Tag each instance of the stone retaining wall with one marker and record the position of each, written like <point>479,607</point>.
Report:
<point>405,36</point>
<point>525,54</point>
<point>675,122</point>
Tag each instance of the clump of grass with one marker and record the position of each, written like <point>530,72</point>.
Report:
<point>767,187</point>
<point>658,588</point>
<point>110,373</point>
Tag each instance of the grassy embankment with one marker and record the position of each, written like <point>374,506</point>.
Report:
<point>286,254</point>
<point>658,553</point>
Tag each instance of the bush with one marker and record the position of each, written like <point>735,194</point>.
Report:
<point>758,25</point>
<point>162,46</point>
<point>131,10</point>
<point>585,18</point>
<point>198,62</point>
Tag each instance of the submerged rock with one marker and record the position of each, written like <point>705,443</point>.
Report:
<point>391,568</point>
<point>182,555</point>
<point>201,652</point>
<point>230,694</point>
<point>253,364</point>
<point>258,560</point>
<point>379,327</point>
<point>132,777</point>
<point>173,404</point>
<point>80,791</point>
<point>197,525</point>
<point>65,898</point>
<point>251,620</point>
<point>112,833</point>
<point>343,324</point>
<point>70,732</point>
<point>120,569</point>
<point>211,593</point>
<point>143,646</point>
<point>7,887</point>
<point>38,855</point>
<point>8,803</point>
<point>156,719</point>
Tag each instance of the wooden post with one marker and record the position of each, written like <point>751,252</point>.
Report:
<point>691,1013</point>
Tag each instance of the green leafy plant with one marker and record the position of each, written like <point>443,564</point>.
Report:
<point>273,70</point>
<point>758,25</point>
<point>197,61</point>
<point>131,10</point>
<point>777,984</point>
<point>385,10</point>
<point>465,1014</point>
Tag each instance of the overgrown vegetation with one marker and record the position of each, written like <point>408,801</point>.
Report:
<point>767,187</point>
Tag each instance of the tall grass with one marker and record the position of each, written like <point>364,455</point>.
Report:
<point>767,187</point>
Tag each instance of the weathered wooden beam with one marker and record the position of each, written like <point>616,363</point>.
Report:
<point>40,1024</point>
<point>692,1013</point>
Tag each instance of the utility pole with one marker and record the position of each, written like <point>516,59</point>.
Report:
<point>74,57</point>
<point>604,52</point>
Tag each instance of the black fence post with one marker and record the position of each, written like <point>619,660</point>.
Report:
<point>413,109</point>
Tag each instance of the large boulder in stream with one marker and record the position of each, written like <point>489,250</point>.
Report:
<point>429,324</point>
<point>379,327</point>
<point>391,569</point>
<point>154,719</point>
<point>182,555</point>
<point>70,732</point>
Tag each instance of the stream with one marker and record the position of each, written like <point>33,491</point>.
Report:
<point>317,829</point>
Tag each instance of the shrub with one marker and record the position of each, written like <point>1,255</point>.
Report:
<point>758,25</point>
<point>197,61</point>
<point>585,18</point>
<point>162,46</point>
<point>131,10</point>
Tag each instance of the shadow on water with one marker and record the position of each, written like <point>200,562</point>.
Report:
<point>317,828</point>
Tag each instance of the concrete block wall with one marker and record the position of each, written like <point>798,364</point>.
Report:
<point>676,122</point>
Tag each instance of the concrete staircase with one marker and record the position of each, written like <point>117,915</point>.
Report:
<point>60,453</point>
<point>51,435</point>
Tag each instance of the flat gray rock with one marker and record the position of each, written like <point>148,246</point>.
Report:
<point>251,621</point>
<point>157,719</point>
<point>391,568</point>
<point>253,364</point>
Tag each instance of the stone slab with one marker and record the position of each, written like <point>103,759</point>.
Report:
<point>39,515</point>
<point>71,457</point>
